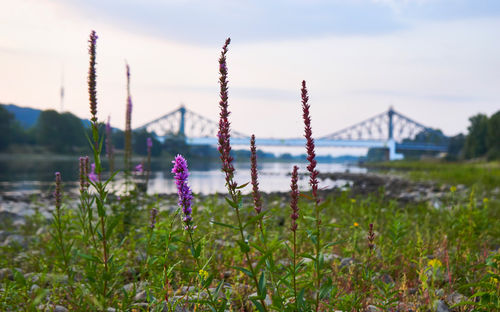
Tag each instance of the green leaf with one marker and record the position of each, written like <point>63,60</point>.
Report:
<point>256,218</point>
<point>334,243</point>
<point>218,288</point>
<point>232,203</point>
<point>247,272</point>
<point>224,225</point>
<point>242,186</point>
<point>262,285</point>
<point>300,299</point>
<point>89,257</point>
<point>243,246</point>
<point>111,226</point>
<point>310,218</point>
<point>258,305</point>
<point>325,290</point>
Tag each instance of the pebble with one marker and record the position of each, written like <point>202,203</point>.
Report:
<point>34,289</point>
<point>387,279</point>
<point>6,273</point>
<point>372,308</point>
<point>184,289</point>
<point>455,298</point>
<point>15,240</point>
<point>3,235</point>
<point>268,300</point>
<point>140,296</point>
<point>441,306</point>
<point>346,262</point>
<point>60,308</point>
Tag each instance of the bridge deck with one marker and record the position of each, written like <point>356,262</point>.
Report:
<point>321,143</point>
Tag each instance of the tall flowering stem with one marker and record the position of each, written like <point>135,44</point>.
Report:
<point>227,165</point>
<point>101,193</point>
<point>109,146</point>
<point>313,182</point>
<point>128,126</point>
<point>223,134</point>
<point>257,200</point>
<point>92,84</point>
<point>60,225</point>
<point>294,199</point>
<point>85,212</point>
<point>181,174</point>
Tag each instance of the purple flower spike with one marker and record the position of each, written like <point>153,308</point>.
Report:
<point>181,174</point>
<point>311,155</point>
<point>92,77</point>
<point>57,192</point>
<point>139,168</point>
<point>83,174</point>
<point>224,129</point>
<point>149,143</point>
<point>92,175</point>
<point>152,221</point>
<point>257,201</point>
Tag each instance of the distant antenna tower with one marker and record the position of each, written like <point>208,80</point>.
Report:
<point>62,91</point>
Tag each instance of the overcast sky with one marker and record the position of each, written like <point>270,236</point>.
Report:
<point>436,61</point>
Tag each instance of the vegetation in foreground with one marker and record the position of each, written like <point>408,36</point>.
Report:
<point>136,252</point>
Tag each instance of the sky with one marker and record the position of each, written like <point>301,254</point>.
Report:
<point>436,61</point>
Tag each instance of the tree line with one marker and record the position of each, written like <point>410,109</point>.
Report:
<point>65,133</point>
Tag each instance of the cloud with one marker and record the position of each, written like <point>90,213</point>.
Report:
<point>209,22</point>
<point>440,97</point>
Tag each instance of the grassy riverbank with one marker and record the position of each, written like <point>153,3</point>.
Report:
<point>423,256</point>
<point>480,174</point>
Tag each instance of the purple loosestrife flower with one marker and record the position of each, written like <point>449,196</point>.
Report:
<point>257,201</point>
<point>223,134</point>
<point>139,168</point>
<point>152,221</point>
<point>128,121</point>
<point>313,180</point>
<point>57,192</point>
<point>371,237</point>
<point>294,198</point>
<point>149,144</point>
<point>92,175</point>
<point>92,77</point>
<point>181,174</point>
<point>86,162</point>
<point>83,174</point>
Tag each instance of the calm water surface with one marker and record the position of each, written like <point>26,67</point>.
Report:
<point>23,175</point>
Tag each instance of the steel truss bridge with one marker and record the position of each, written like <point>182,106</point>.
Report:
<point>385,130</point>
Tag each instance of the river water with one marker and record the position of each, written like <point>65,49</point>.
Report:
<point>35,176</point>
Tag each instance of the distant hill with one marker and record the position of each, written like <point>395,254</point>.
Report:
<point>26,116</point>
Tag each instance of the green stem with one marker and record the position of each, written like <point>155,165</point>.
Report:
<point>295,268</point>
<point>271,258</point>
<point>198,267</point>
<point>318,246</point>
<point>250,266</point>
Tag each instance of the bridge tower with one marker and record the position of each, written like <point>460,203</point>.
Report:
<point>391,143</point>
<point>182,123</point>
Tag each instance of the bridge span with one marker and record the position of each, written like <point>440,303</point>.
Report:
<point>386,130</point>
